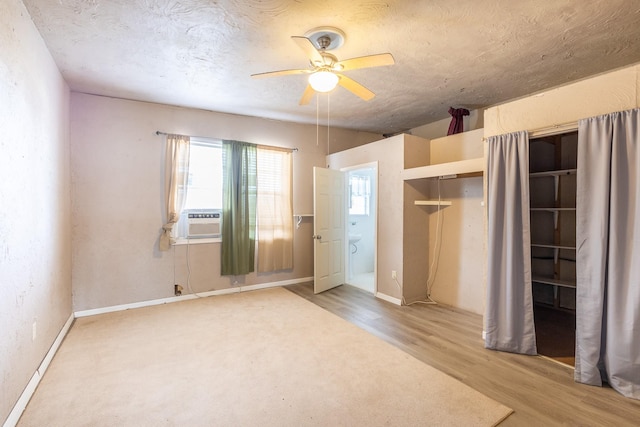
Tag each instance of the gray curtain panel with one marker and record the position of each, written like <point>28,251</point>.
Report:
<point>509,324</point>
<point>608,252</point>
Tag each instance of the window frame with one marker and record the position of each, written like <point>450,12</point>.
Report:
<point>182,225</point>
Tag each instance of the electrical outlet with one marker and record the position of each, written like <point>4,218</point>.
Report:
<point>177,290</point>
<point>394,275</point>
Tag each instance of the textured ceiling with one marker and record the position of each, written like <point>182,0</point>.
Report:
<point>465,53</point>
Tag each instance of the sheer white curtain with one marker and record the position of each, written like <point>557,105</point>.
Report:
<point>608,252</point>
<point>176,176</point>
<point>509,322</point>
<point>275,209</point>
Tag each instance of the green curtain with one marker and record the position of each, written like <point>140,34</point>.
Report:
<point>239,208</point>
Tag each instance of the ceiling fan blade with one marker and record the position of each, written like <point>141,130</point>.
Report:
<point>280,73</point>
<point>365,62</point>
<point>307,95</point>
<point>355,87</point>
<point>309,49</point>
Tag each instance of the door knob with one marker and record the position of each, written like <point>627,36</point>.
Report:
<point>317,236</point>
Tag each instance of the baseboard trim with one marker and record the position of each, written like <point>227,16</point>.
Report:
<point>388,298</point>
<point>21,404</point>
<point>149,303</point>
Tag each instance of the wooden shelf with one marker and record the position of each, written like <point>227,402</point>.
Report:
<point>553,282</point>
<point>552,209</point>
<point>560,172</point>
<point>432,203</point>
<point>462,169</point>
<point>536,245</point>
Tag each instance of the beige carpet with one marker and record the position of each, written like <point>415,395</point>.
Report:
<point>262,358</point>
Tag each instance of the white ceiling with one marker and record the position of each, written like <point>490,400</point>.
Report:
<point>464,53</point>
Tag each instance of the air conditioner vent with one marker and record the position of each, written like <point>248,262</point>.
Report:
<point>202,225</point>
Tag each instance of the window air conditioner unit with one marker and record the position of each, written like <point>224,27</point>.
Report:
<point>202,225</point>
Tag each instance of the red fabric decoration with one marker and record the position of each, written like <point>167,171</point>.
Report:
<point>457,123</point>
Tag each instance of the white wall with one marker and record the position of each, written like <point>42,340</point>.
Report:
<point>617,90</point>
<point>35,227</point>
<point>117,188</point>
<point>460,266</point>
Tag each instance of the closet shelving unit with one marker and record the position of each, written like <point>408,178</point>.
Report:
<point>459,169</point>
<point>552,184</point>
<point>426,162</point>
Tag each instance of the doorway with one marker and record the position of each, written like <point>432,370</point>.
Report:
<point>361,211</point>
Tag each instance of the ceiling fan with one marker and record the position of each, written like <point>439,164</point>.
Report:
<point>325,71</point>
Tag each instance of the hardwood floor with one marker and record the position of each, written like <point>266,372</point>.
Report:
<point>540,391</point>
<point>555,334</point>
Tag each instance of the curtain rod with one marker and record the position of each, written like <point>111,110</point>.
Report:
<point>554,129</point>
<point>549,130</point>
<point>158,132</point>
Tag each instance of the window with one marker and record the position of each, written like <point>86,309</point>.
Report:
<point>359,194</point>
<point>275,213</point>
<point>274,210</point>
<point>204,190</point>
<point>204,187</point>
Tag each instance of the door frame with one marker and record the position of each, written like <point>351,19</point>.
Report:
<point>374,189</point>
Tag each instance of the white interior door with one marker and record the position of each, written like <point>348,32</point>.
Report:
<point>328,229</point>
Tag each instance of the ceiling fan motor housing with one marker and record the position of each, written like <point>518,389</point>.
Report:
<point>326,38</point>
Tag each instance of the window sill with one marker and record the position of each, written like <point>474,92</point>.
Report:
<point>183,241</point>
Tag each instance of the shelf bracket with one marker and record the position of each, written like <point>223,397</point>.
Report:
<point>299,217</point>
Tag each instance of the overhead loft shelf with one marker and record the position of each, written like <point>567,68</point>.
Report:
<point>459,169</point>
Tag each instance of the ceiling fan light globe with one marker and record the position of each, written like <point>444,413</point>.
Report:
<point>323,81</point>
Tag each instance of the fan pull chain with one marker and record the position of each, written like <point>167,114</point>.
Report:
<point>328,109</point>
<point>317,119</point>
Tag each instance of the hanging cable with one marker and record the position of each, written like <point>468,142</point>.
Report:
<point>328,110</point>
<point>434,262</point>
<point>175,285</point>
<point>433,268</point>
<point>189,270</point>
